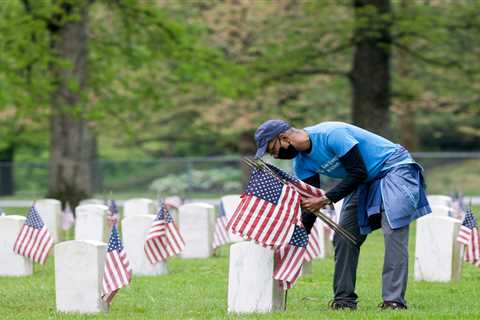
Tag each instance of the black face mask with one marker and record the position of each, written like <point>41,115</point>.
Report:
<point>287,154</point>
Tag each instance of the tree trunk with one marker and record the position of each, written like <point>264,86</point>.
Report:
<point>7,186</point>
<point>370,75</point>
<point>72,144</point>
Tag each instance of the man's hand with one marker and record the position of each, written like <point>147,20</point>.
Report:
<point>314,204</point>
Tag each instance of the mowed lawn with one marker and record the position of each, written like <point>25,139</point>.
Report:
<point>197,289</point>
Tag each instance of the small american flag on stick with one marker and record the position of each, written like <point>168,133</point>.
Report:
<point>34,241</point>
<point>289,258</point>
<point>220,236</point>
<point>313,247</point>
<point>468,235</point>
<point>163,240</point>
<point>118,272</point>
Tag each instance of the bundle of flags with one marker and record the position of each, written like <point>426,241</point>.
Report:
<point>220,236</point>
<point>118,272</point>
<point>33,241</point>
<point>269,214</point>
<point>163,239</point>
<point>468,235</point>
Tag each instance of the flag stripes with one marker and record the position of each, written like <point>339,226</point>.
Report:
<point>118,272</point>
<point>220,236</point>
<point>264,222</point>
<point>33,241</point>
<point>163,239</point>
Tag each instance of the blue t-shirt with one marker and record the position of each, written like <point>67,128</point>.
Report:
<point>332,140</point>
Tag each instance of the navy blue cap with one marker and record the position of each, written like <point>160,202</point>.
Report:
<point>268,131</point>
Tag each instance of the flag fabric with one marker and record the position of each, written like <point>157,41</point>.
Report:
<point>468,235</point>
<point>313,248</point>
<point>68,220</point>
<point>306,191</point>
<point>268,211</point>
<point>289,258</point>
<point>164,239</point>
<point>114,214</point>
<point>458,206</point>
<point>118,272</point>
<point>113,208</point>
<point>173,202</point>
<point>220,236</point>
<point>303,188</point>
<point>34,241</point>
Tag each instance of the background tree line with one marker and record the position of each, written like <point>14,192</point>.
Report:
<point>107,79</point>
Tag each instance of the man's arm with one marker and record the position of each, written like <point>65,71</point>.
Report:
<point>356,174</point>
<point>308,218</point>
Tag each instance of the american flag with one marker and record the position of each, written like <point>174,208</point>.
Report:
<point>306,191</point>
<point>313,247</point>
<point>303,188</point>
<point>268,211</point>
<point>114,214</point>
<point>68,220</point>
<point>289,258</point>
<point>34,241</point>
<point>221,237</point>
<point>163,240</point>
<point>468,235</point>
<point>118,271</point>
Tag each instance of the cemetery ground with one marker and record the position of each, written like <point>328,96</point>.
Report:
<point>197,289</point>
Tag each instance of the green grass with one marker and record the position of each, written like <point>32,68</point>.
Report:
<point>197,289</point>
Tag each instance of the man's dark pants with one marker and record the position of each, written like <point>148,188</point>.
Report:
<point>395,266</point>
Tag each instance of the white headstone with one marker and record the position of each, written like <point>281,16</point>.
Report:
<point>138,206</point>
<point>12,264</point>
<point>441,210</point>
<point>79,267</point>
<point>91,201</point>
<point>439,200</point>
<point>196,227</point>
<point>50,210</point>
<point>91,222</point>
<point>134,231</point>
<point>230,204</point>
<point>437,251</point>
<point>251,287</point>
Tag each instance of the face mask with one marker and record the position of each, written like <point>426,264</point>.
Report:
<point>287,154</point>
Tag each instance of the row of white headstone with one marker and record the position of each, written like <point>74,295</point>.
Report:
<point>251,285</point>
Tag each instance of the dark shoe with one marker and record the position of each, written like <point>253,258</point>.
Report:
<point>392,305</point>
<point>342,305</point>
